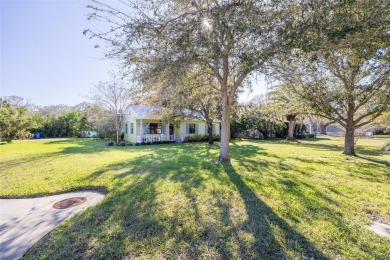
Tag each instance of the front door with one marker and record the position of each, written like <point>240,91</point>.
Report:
<point>171,129</point>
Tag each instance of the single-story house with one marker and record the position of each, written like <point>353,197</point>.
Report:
<point>144,124</point>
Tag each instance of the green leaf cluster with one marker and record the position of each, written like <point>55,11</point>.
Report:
<point>12,121</point>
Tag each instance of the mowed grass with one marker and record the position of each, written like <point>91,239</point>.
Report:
<point>275,200</point>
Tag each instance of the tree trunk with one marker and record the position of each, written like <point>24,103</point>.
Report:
<point>225,133</point>
<point>117,134</point>
<point>322,129</point>
<point>349,140</point>
<point>210,132</point>
<point>291,128</point>
<point>117,130</point>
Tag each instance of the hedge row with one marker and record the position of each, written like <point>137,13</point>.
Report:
<point>200,138</point>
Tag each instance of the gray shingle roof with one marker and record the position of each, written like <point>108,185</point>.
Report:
<point>142,111</point>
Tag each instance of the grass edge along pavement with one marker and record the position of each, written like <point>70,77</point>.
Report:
<point>275,200</point>
<point>25,221</point>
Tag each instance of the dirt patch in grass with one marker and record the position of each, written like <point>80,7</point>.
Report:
<point>375,217</point>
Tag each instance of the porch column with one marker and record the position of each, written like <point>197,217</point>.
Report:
<point>183,131</point>
<point>141,129</point>
<point>168,136</point>
<point>310,129</point>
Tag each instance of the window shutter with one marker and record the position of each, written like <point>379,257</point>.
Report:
<point>205,129</point>
<point>187,129</point>
<point>163,129</point>
<point>145,128</point>
<point>126,129</point>
<point>213,129</point>
<point>196,128</point>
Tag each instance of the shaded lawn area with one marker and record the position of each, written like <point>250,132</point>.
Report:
<point>275,200</point>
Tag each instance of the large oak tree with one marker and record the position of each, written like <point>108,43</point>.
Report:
<point>344,73</point>
<point>345,89</point>
<point>228,39</point>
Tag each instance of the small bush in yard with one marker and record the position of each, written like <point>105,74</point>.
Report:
<point>22,135</point>
<point>216,137</point>
<point>199,138</point>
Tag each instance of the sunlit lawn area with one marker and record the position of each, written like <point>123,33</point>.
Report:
<point>275,200</point>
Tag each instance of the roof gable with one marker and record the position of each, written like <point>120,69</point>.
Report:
<point>141,111</point>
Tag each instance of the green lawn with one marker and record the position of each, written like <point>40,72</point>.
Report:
<point>275,200</point>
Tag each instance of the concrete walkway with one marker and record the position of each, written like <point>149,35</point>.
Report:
<point>24,221</point>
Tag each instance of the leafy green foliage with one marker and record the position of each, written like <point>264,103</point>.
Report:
<point>69,124</point>
<point>251,121</point>
<point>345,76</point>
<point>13,121</point>
<point>199,138</point>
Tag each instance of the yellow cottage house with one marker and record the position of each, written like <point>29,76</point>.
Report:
<point>143,124</point>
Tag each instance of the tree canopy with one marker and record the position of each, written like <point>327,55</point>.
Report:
<point>12,120</point>
<point>228,40</point>
<point>345,76</point>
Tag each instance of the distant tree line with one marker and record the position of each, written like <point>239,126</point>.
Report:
<point>253,120</point>
<point>19,119</point>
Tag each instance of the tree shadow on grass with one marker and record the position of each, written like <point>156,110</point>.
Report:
<point>368,152</point>
<point>262,221</point>
<point>71,146</point>
<point>377,161</point>
<point>316,139</point>
<point>138,219</point>
<point>177,203</point>
<point>326,147</point>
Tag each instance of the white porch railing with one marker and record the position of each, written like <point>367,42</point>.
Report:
<point>154,138</point>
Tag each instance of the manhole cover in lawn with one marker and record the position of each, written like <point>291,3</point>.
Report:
<point>68,203</point>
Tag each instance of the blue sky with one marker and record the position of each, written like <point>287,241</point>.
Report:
<point>46,58</point>
<point>44,55</point>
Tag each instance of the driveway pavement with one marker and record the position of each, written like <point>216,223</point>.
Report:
<point>24,221</point>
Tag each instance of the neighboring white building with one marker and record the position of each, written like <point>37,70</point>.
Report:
<point>89,134</point>
<point>337,130</point>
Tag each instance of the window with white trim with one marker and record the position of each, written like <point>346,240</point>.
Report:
<point>154,128</point>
